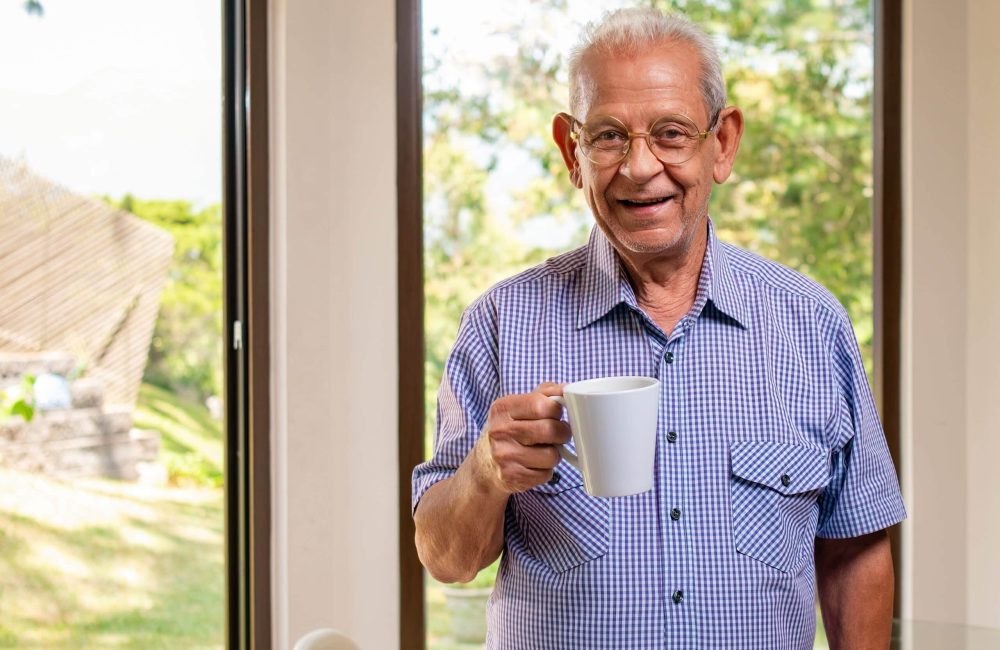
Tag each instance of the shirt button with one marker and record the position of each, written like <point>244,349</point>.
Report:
<point>669,357</point>
<point>671,436</point>
<point>675,514</point>
<point>555,478</point>
<point>786,480</point>
<point>678,596</point>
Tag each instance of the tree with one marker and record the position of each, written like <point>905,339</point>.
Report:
<point>186,352</point>
<point>800,193</point>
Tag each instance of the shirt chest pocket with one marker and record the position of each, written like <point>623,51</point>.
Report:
<point>775,487</point>
<point>563,526</point>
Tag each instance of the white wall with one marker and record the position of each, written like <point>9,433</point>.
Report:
<point>983,315</point>
<point>951,312</point>
<point>334,319</point>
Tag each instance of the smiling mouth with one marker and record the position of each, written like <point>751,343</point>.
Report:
<point>639,203</point>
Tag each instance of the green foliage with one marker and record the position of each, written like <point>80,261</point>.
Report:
<point>800,192</point>
<point>186,353</point>
<point>18,401</point>
<point>191,442</point>
<point>802,187</point>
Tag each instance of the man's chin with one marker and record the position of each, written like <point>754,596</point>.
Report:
<point>650,241</point>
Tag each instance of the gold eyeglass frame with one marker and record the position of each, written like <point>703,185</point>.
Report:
<point>576,125</point>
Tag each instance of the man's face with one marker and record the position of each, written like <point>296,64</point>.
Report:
<point>646,207</point>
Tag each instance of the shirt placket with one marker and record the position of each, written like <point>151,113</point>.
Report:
<point>675,488</point>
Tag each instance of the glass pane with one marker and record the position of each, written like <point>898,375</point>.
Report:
<point>111,437</point>
<point>498,198</point>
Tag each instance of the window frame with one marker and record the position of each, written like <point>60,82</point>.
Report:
<point>246,325</point>
<point>886,280</point>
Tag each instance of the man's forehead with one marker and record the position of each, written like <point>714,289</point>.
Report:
<point>668,74</point>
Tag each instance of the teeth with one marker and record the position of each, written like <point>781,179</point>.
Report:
<point>647,201</point>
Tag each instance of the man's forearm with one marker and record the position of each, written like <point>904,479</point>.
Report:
<point>459,522</point>
<point>856,585</point>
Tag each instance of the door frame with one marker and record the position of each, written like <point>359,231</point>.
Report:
<point>887,279</point>
<point>246,324</point>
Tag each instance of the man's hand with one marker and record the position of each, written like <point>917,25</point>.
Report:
<point>856,586</point>
<point>459,520</point>
<point>519,445</point>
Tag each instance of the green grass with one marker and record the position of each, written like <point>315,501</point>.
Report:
<point>93,563</point>
<point>107,564</point>
<point>191,442</point>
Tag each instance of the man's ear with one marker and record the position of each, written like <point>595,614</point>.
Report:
<point>727,135</point>
<point>562,134</point>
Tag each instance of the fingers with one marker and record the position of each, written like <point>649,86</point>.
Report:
<point>535,405</point>
<point>550,388</point>
<point>531,432</point>
<point>522,434</point>
<point>518,468</point>
<point>543,457</point>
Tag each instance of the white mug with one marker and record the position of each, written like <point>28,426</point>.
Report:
<point>613,420</point>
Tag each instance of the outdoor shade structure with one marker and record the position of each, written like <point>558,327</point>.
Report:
<point>80,285</point>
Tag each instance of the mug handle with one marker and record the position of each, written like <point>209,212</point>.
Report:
<point>564,451</point>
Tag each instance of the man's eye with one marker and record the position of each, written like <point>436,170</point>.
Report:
<point>671,134</point>
<point>608,136</point>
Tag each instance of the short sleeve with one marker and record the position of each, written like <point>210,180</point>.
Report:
<point>470,383</point>
<point>863,493</point>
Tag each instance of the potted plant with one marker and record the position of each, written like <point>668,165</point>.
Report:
<point>466,605</point>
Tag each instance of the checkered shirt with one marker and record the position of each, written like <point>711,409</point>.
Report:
<point>767,437</point>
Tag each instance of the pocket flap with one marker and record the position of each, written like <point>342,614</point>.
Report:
<point>569,477</point>
<point>786,468</point>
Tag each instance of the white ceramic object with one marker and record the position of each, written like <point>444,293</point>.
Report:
<point>614,430</point>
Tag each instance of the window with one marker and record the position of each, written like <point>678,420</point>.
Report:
<point>814,185</point>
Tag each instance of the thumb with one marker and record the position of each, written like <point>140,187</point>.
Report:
<point>550,388</point>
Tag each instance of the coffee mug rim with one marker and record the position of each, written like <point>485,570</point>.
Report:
<point>569,388</point>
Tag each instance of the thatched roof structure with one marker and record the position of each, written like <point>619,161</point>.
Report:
<point>80,277</point>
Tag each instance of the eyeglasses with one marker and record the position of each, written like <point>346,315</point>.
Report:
<point>604,140</point>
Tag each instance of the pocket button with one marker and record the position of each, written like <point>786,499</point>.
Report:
<point>786,480</point>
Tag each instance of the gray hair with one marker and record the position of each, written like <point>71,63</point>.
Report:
<point>628,32</point>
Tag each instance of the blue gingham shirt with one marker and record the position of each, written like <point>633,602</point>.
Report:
<point>767,438</point>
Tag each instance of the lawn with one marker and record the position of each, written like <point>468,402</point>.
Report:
<point>107,564</point>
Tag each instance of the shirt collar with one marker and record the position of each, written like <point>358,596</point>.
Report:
<point>604,283</point>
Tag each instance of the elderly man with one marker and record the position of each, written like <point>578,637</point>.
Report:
<point>771,469</point>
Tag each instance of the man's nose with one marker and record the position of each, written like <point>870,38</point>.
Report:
<point>640,162</point>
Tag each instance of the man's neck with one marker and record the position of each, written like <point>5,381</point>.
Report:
<point>666,287</point>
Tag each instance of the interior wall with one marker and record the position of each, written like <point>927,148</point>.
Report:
<point>983,316</point>
<point>935,207</point>
<point>333,291</point>
<point>951,312</point>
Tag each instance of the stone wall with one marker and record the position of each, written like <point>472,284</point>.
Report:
<point>87,439</point>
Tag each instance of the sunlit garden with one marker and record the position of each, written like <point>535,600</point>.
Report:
<point>100,547</point>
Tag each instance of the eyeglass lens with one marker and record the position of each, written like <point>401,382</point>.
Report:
<point>673,139</point>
